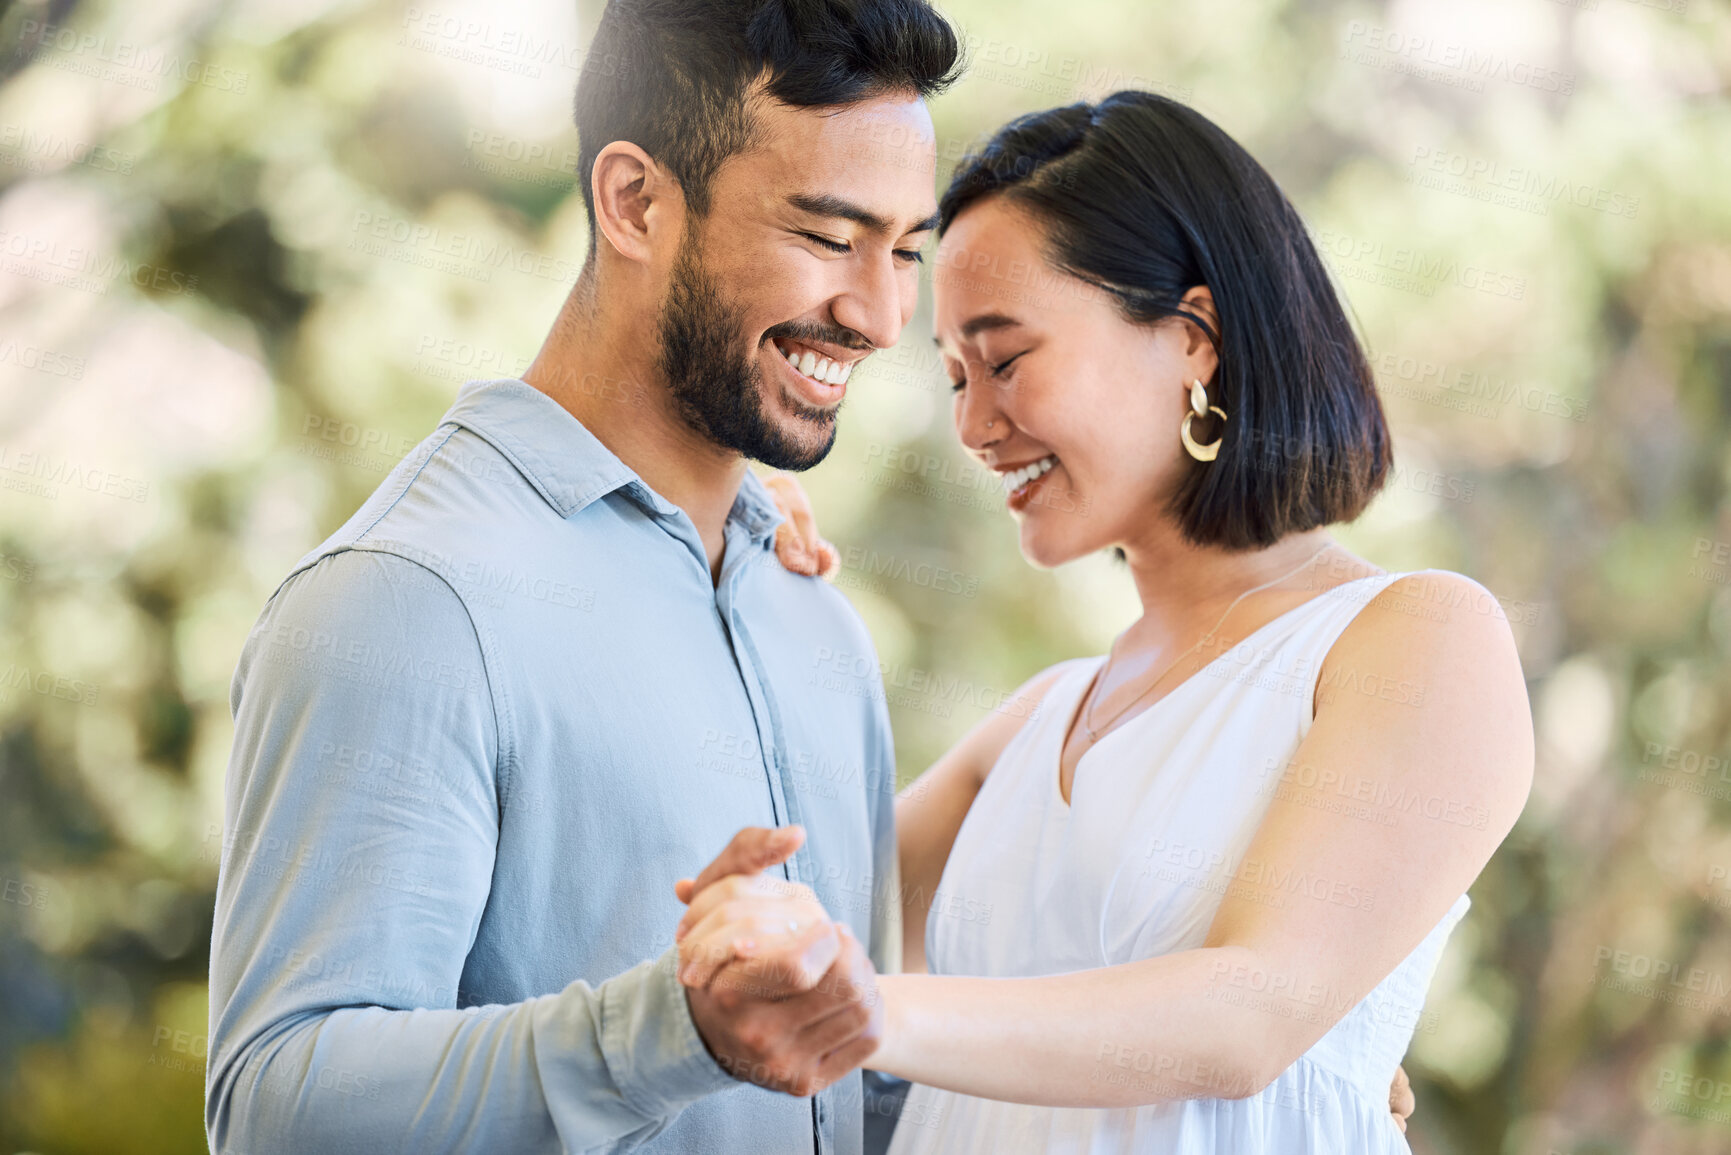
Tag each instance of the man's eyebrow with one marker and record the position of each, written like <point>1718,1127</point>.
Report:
<point>826,205</point>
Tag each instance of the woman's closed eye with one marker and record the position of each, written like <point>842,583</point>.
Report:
<point>996,370</point>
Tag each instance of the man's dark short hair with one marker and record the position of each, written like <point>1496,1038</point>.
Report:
<point>673,76</point>
<point>1144,199</point>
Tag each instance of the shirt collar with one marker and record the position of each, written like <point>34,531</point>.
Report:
<point>755,510</point>
<point>569,466</point>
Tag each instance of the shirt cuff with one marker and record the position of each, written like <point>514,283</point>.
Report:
<point>651,1046</point>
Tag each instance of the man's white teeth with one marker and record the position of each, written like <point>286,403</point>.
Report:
<point>819,368</point>
<point>1015,480</point>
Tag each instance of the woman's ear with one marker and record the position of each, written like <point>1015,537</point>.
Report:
<point>1203,355</point>
<point>1199,302</point>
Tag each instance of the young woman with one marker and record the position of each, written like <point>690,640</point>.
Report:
<point>1221,860</point>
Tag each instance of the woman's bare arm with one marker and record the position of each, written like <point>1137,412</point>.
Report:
<point>1392,808</point>
<point>929,812</point>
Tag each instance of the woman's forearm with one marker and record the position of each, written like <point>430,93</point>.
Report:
<point>1145,1032</point>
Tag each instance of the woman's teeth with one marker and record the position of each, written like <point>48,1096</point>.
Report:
<point>818,368</point>
<point>1015,480</point>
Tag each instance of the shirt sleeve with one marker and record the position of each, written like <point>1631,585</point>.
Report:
<point>361,820</point>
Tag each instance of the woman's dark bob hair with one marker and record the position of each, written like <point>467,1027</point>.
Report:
<point>1145,198</point>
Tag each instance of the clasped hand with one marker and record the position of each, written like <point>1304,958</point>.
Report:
<point>784,996</point>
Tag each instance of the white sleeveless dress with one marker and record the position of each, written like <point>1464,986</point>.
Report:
<point>1161,813</point>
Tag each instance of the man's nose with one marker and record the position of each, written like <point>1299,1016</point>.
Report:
<point>871,305</point>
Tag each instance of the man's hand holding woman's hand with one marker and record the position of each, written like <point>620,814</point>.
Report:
<point>783,996</point>
<point>753,929</point>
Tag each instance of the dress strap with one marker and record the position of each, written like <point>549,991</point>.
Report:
<point>1331,612</point>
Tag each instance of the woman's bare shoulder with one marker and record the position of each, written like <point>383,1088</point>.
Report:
<point>985,743</point>
<point>1447,642</point>
<point>1438,610</point>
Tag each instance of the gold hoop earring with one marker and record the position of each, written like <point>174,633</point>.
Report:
<point>1199,407</point>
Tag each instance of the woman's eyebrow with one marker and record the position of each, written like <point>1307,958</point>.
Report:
<point>984,323</point>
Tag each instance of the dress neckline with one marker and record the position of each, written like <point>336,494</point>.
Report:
<point>1056,777</point>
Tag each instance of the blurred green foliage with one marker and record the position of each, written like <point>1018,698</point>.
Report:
<point>248,252</point>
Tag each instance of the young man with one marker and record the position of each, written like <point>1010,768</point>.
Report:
<point>552,665</point>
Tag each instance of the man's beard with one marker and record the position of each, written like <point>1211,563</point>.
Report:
<point>717,388</point>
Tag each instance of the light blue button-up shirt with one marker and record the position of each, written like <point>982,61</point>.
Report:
<point>479,732</point>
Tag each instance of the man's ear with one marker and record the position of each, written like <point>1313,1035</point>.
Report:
<point>637,202</point>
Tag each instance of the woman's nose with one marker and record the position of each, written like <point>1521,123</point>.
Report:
<point>979,422</point>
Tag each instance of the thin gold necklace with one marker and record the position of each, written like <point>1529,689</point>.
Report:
<point>1094,732</point>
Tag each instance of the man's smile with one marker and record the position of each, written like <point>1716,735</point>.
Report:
<point>817,363</point>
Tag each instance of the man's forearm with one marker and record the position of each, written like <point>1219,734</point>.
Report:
<point>587,1067</point>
